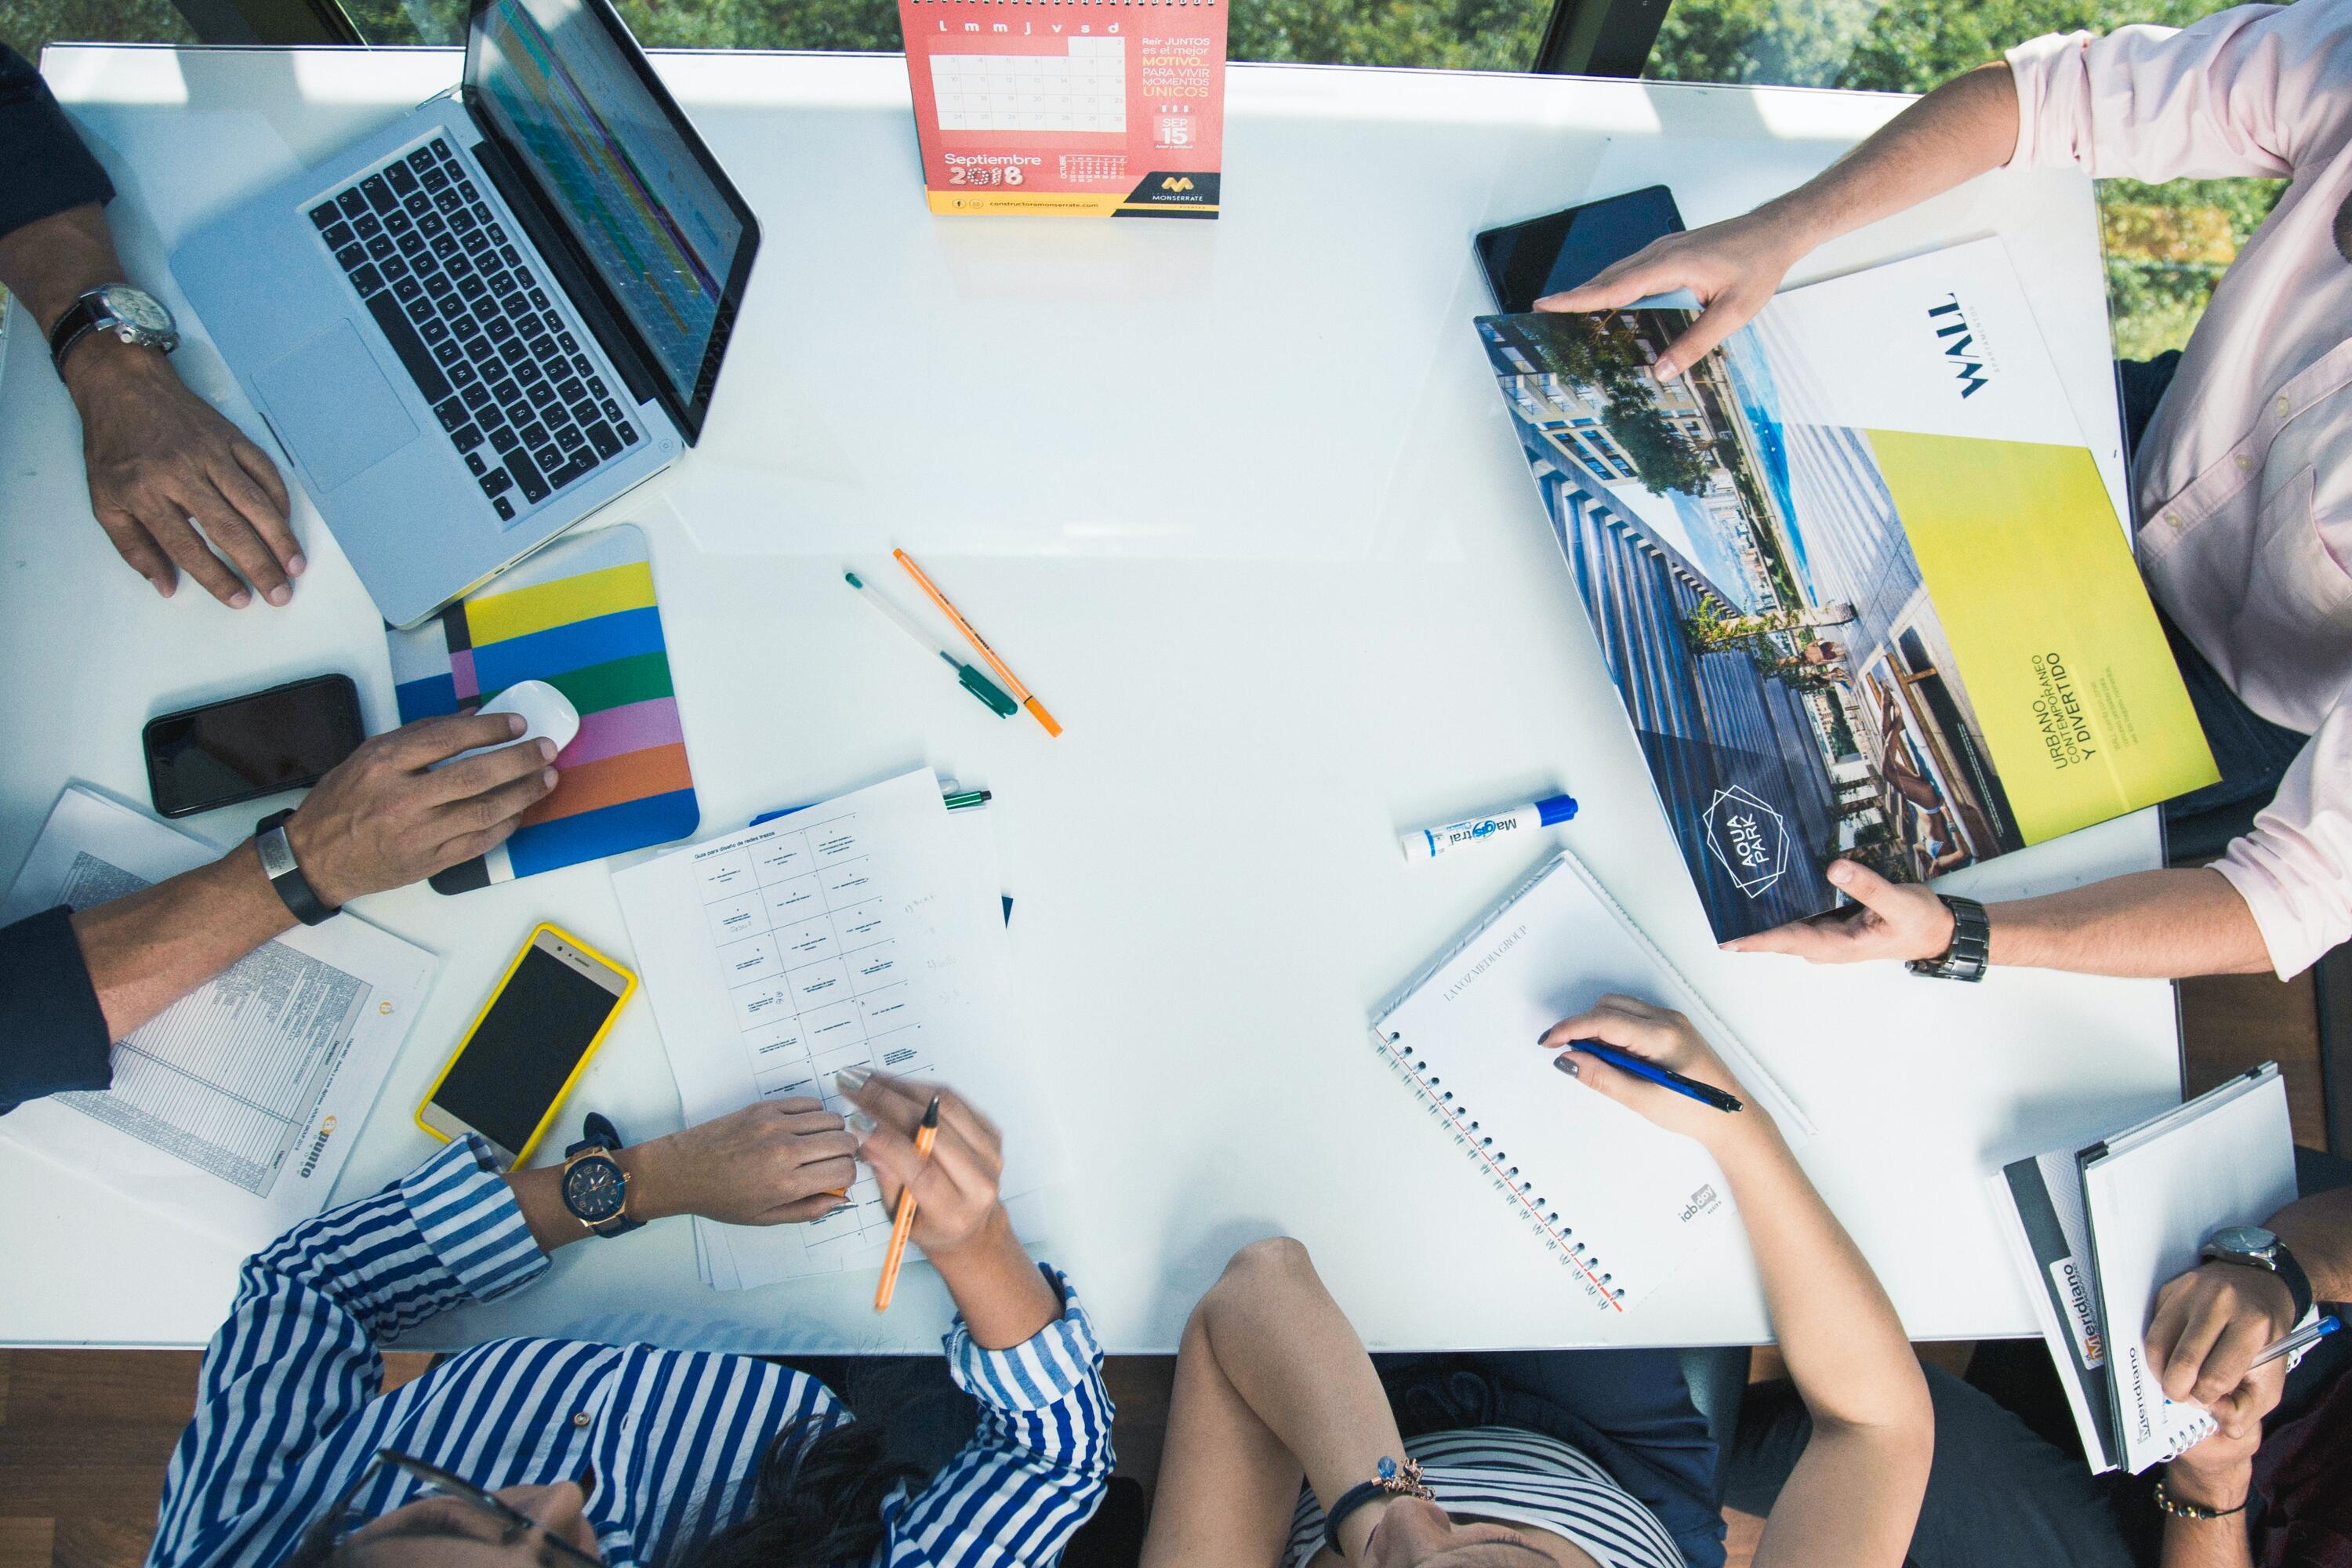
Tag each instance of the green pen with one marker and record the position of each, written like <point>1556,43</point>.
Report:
<point>979,685</point>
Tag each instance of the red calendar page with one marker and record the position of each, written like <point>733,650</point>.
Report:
<point>1085,107</point>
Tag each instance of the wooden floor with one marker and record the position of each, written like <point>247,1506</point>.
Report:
<point>84,1436</point>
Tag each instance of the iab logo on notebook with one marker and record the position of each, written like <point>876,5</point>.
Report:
<point>1704,1201</point>
<point>1748,838</point>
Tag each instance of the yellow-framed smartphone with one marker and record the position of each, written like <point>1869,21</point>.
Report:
<point>528,1045</point>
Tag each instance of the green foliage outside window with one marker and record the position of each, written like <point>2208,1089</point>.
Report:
<point>2166,244</point>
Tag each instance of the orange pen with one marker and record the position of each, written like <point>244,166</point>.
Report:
<point>925,1136</point>
<point>1021,693</point>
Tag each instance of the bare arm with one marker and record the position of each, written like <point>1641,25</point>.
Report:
<point>1963,129</point>
<point>2149,924</point>
<point>1853,1497</point>
<point>378,820</point>
<point>1272,1385</point>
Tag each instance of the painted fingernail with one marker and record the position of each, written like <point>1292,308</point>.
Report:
<point>849,1080</point>
<point>240,599</point>
<point>547,748</point>
<point>1565,1062</point>
<point>514,724</point>
<point>861,1126</point>
<point>282,594</point>
<point>297,565</point>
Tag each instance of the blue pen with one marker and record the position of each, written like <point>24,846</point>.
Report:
<point>1665,1078</point>
<point>2302,1338</point>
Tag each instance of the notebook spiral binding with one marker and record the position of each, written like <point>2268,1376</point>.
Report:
<point>1538,1215</point>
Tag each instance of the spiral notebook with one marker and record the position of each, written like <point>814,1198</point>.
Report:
<point>1080,108</point>
<point>1618,1202</point>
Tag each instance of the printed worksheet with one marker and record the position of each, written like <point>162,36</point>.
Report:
<point>864,931</point>
<point>255,1084</point>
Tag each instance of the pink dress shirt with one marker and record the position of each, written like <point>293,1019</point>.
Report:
<point>2243,485</point>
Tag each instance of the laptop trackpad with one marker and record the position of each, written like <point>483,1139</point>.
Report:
<point>332,408</point>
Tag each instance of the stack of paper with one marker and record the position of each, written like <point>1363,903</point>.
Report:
<point>865,932</point>
<point>234,1108</point>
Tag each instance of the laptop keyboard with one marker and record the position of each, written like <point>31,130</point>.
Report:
<point>471,320</point>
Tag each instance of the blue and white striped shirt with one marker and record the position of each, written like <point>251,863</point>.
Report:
<point>288,1413</point>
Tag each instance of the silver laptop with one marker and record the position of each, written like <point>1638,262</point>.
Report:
<point>470,331</point>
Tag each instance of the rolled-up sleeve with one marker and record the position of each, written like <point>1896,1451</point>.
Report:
<point>44,167</point>
<point>2255,90</point>
<point>2294,869</point>
<point>52,1030</point>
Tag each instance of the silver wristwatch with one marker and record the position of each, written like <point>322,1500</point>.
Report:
<point>133,315</point>
<point>1971,945</point>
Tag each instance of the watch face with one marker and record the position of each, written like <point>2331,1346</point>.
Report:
<point>139,308</point>
<point>2245,1238</point>
<point>593,1188</point>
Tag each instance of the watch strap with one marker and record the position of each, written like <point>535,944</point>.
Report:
<point>285,872</point>
<point>2285,1265</point>
<point>1969,953</point>
<point>79,321</point>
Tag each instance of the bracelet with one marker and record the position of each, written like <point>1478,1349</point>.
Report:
<point>2180,1509</point>
<point>1392,1479</point>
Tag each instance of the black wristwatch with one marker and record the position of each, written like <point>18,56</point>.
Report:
<point>285,873</point>
<point>596,1188</point>
<point>1971,947</point>
<point>2255,1248</point>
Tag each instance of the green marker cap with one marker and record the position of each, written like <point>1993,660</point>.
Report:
<point>980,686</point>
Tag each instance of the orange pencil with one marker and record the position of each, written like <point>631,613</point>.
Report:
<point>1021,693</point>
<point>925,1136</point>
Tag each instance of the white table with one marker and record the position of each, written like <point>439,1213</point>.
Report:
<point>1239,499</point>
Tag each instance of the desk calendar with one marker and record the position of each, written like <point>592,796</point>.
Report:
<point>1076,108</point>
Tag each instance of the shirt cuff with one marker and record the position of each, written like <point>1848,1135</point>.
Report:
<point>468,1216</point>
<point>50,1020</point>
<point>2299,922</point>
<point>1041,1372</point>
<point>2035,67</point>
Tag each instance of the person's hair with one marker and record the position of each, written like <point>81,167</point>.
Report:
<point>817,1503</point>
<point>821,1485</point>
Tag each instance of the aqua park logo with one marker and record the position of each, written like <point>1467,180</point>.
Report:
<point>1969,362</point>
<point>1748,839</point>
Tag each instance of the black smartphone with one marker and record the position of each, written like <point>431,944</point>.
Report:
<point>1526,261</point>
<point>247,747</point>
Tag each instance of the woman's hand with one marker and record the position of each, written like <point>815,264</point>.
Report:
<point>959,1222</point>
<point>955,1189</point>
<point>1667,1039</point>
<point>776,1163</point>
<point>1733,266</point>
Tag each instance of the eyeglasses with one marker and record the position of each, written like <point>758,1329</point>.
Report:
<point>333,1527</point>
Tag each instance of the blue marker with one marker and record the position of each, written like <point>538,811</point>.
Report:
<point>1431,842</point>
<point>1665,1078</point>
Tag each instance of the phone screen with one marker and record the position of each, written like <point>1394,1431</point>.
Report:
<point>518,1060</point>
<point>285,738</point>
<point>1526,261</point>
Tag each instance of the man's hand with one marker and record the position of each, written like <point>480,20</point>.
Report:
<point>382,820</point>
<point>776,1163</point>
<point>162,462</point>
<point>2209,1324</point>
<point>2219,1471</point>
<point>1733,266</point>
<point>1895,920</point>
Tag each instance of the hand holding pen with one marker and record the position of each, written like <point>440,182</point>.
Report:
<point>1651,1061</point>
<point>958,1220</point>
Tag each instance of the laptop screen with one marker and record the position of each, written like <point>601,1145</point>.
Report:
<point>570,96</point>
